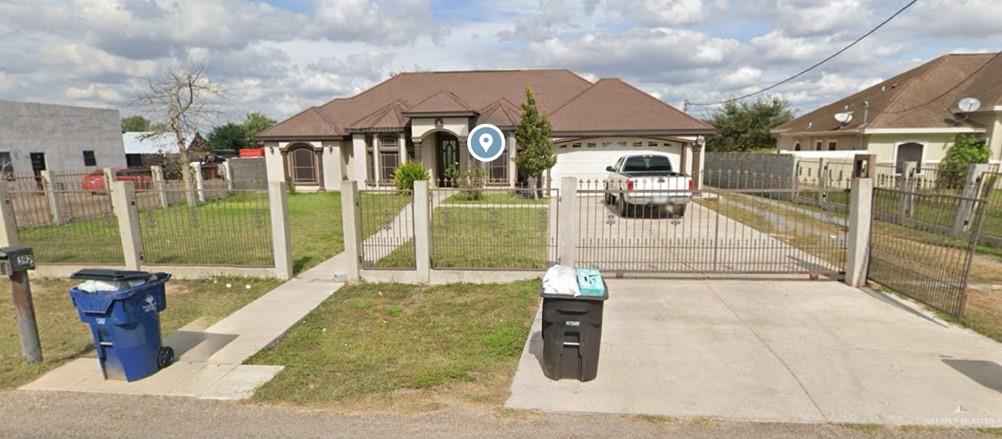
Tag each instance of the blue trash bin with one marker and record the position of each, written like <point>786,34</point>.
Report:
<point>125,322</point>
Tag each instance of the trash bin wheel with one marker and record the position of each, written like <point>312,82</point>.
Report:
<point>165,357</point>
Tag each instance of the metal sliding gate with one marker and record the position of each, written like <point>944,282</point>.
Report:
<point>922,244</point>
<point>727,229</point>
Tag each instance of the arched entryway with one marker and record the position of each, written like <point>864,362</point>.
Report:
<point>908,152</point>
<point>303,165</point>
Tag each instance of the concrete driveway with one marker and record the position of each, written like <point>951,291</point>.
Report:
<point>701,241</point>
<point>791,351</point>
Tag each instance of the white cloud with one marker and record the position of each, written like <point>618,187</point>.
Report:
<point>660,12</point>
<point>279,61</point>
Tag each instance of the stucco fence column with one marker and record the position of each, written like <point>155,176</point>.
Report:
<point>280,234</point>
<point>123,204</point>
<point>860,220</point>
<point>8,226</point>
<point>351,226</point>
<point>53,196</point>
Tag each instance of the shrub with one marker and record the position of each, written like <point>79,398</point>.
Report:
<point>407,173</point>
<point>472,181</point>
<point>967,150</point>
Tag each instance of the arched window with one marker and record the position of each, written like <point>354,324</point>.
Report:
<point>303,167</point>
<point>796,147</point>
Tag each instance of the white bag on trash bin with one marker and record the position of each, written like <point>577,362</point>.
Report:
<point>561,281</point>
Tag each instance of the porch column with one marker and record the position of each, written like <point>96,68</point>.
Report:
<point>464,155</point>
<point>402,141</point>
<point>333,174</point>
<point>376,171</point>
<point>357,162</point>
<point>512,168</point>
<point>697,164</point>
<point>683,162</point>
<point>285,166</point>
<point>319,154</point>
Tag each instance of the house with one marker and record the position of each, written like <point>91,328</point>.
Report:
<point>426,116</point>
<point>36,137</point>
<point>914,116</point>
<point>148,148</point>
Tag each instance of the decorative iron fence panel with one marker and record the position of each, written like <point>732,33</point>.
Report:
<point>387,217</point>
<point>231,231</point>
<point>491,228</point>
<point>914,250</point>
<point>83,229</point>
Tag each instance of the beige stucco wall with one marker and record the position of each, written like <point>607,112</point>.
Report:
<point>850,141</point>
<point>933,151</point>
<point>460,126</point>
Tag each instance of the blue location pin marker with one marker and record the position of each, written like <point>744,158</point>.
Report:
<point>485,142</point>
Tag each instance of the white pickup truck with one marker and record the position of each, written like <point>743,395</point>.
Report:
<point>647,180</point>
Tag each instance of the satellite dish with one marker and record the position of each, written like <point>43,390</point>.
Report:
<point>969,104</point>
<point>843,117</point>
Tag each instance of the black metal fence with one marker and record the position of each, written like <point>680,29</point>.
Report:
<point>83,230</point>
<point>387,217</point>
<point>234,231</point>
<point>729,227</point>
<point>913,250</point>
<point>492,228</point>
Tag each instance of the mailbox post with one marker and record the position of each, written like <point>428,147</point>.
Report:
<point>15,261</point>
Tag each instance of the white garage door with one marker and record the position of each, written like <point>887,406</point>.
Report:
<point>589,163</point>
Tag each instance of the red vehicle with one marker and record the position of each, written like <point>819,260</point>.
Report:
<point>95,180</point>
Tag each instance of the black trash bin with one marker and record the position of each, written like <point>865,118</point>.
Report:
<point>572,335</point>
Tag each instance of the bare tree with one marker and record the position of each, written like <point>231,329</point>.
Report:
<point>182,100</point>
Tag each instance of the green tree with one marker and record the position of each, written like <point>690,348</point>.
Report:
<point>967,150</point>
<point>255,122</point>
<point>229,136</point>
<point>744,126</point>
<point>535,141</point>
<point>135,122</point>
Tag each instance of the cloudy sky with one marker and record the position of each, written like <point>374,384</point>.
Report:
<point>282,56</point>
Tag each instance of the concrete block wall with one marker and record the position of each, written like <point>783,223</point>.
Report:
<point>775,170</point>
<point>62,133</point>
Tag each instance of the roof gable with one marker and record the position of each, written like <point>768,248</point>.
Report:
<point>923,97</point>
<point>501,113</point>
<point>441,102</point>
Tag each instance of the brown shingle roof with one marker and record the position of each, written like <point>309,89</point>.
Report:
<point>613,105</point>
<point>441,102</point>
<point>501,113</point>
<point>923,97</point>
<point>490,93</point>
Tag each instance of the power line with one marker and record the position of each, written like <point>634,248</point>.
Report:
<point>816,65</point>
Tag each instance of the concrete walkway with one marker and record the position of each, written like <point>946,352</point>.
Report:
<point>209,359</point>
<point>774,351</point>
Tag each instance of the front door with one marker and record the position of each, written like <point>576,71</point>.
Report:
<point>447,158</point>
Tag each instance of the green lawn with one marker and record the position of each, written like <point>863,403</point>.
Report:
<point>230,231</point>
<point>315,228</point>
<point>482,237</point>
<point>64,337</point>
<point>372,340</point>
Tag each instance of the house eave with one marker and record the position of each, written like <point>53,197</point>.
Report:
<point>939,130</point>
<point>277,138</point>
<point>619,133</point>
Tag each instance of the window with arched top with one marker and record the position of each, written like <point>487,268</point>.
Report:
<point>796,147</point>
<point>303,166</point>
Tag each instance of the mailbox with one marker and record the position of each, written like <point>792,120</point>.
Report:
<point>16,258</point>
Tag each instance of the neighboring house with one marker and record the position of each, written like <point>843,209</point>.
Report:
<point>36,137</point>
<point>914,116</point>
<point>426,116</point>
<point>147,148</point>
